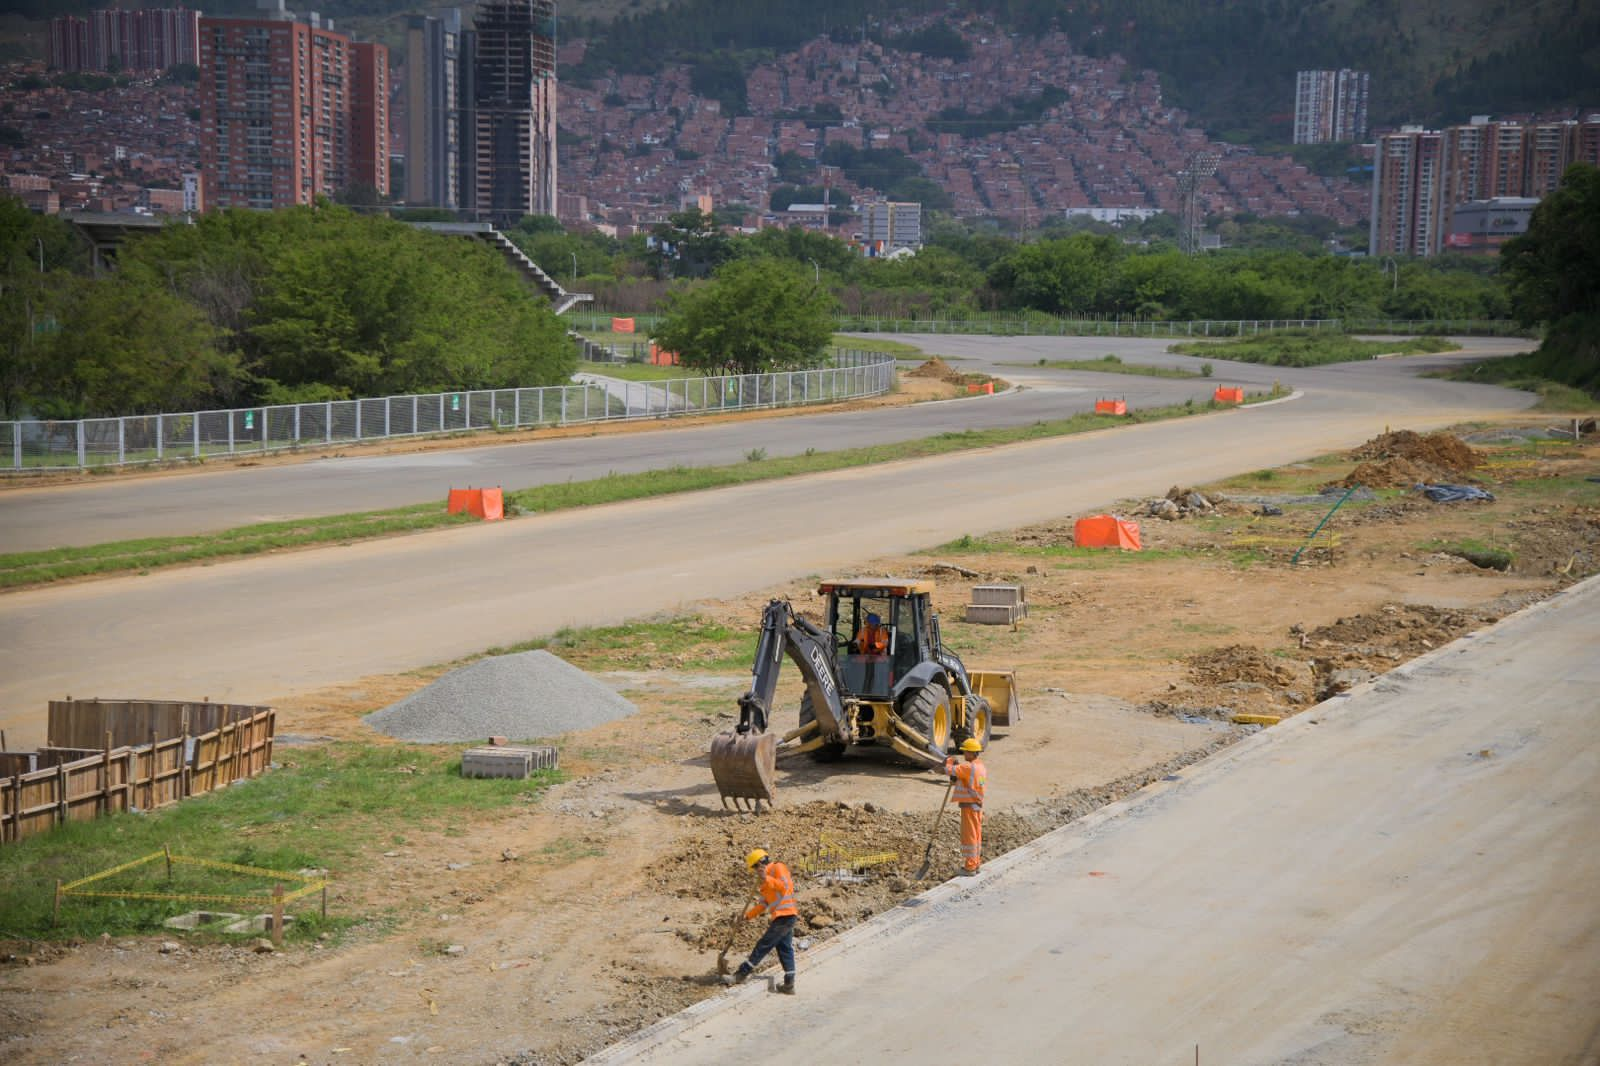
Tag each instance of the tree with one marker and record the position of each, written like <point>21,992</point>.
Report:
<point>1068,275</point>
<point>1554,274</point>
<point>754,316</point>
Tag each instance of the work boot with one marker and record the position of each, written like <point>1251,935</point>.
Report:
<point>787,988</point>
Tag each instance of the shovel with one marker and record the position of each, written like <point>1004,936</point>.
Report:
<point>927,854</point>
<point>733,931</point>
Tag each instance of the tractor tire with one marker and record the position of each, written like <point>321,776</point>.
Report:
<point>927,710</point>
<point>828,752</point>
<point>980,720</point>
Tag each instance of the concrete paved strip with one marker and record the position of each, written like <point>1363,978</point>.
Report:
<point>256,630</point>
<point>1402,874</point>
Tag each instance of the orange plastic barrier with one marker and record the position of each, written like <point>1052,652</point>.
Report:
<point>987,388</point>
<point>1106,531</point>
<point>622,325</point>
<point>1226,395</point>
<point>487,504</point>
<point>662,357</point>
<point>1111,407</point>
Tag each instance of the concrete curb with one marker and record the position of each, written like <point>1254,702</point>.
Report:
<point>1066,839</point>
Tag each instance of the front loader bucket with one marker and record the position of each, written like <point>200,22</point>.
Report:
<point>744,765</point>
<point>999,687</point>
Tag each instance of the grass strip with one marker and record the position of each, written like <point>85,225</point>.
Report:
<point>330,806</point>
<point>1310,348</point>
<point>1111,364</point>
<point>57,564</point>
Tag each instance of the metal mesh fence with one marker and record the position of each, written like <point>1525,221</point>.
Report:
<point>26,445</point>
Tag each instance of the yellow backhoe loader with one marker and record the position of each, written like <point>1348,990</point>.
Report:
<point>875,674</point>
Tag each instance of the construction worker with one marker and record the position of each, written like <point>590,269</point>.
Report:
<point>969,777</point>
<point>873,639</point>
<point>777,901</point>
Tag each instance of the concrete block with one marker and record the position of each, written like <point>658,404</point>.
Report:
<point>513,762</point>
<point>1009,595</point>
<point>261,923</point>
<point>196,919</point>
<point>992,614</point>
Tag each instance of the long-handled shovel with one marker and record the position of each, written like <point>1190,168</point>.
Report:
<point>733,932</point>
<point>927,854</point>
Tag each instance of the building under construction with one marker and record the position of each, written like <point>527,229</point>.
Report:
<point>508,128</point>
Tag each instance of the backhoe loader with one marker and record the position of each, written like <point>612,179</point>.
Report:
<point>898,687</point>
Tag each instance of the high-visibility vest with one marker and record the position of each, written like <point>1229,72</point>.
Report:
<point>970,781</point>
<point>873,640</point>
<point>777,893</point>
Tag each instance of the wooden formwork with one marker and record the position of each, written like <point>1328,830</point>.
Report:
<point>62,783</point>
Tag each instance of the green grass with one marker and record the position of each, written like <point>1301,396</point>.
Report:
<point>59,564</point>
<point>38,568</point>
<point>1111,364</point>
<point>332,807</point>
<point>1477,552</point>
<point>1525,372</point>
<point>869,343</point>
<point>1310,348</point>
<point>691,642</point>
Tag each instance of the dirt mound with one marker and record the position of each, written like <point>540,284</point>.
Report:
<point>1393,473</point>
<point>1566,544</point>
<point>1397,631</point>
<point>939,370</point>
<point>1237,662</point>
<point>1439,450</point>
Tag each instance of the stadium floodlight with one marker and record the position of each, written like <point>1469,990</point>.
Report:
<point>1197,168</point>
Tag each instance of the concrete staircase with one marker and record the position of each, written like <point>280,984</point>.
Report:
<point>560,299</point>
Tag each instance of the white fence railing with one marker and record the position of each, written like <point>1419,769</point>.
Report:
<point>98,442</point>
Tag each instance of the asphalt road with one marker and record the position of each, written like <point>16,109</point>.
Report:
<point>257,630</point>
<point>207,500</point>
<point>1402,875</point>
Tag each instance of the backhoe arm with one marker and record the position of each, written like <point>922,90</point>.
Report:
<point>783,632</point>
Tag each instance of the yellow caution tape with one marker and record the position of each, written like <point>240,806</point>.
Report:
<point>114,870</point>
<point>309,883</point>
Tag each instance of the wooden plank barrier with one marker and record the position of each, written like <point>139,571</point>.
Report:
<point>63,782</point>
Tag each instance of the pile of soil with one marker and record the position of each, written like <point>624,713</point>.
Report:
<point>1235,663</point>
<point>1440,450</point>
<point>939,370</point>
<point>1403,458</point>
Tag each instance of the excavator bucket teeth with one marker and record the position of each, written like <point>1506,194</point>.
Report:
<point>745,766</point>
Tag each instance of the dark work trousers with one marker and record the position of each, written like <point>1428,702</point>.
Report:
<point>780,935</point>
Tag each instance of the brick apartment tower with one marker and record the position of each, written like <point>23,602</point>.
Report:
<point>1422,176</point>
<point>508,128</point>
<point>279,104</point>
<point>150,39</point>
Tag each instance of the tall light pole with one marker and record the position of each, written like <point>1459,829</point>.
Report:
<point>40,242</point>
<point>816,273</point>
<point>1198,167</point>
<point>1391,265</point>
<point>574,267</point>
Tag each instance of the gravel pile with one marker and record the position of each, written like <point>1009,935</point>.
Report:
<point>524,696</point>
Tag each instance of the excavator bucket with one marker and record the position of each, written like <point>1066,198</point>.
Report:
<point>745,765</point>
<point>999,687</point>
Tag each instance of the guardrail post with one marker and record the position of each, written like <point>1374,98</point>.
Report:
<point>82,457</point>
<point>327,423</point>
<point>230,431</point>
<point>161,435</point>
<point>122,441</point>
<point>358,420</point>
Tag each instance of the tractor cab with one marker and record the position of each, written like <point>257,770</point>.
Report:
<point>881,629</point>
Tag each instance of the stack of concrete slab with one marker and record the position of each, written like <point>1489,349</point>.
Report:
<point>499,760</point>
<point>997,605</point>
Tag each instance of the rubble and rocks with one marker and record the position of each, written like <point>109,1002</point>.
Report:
<point>1182,503</point>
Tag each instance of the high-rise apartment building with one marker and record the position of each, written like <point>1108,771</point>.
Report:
<point>149,39</point>
<point>1330,106</point>
<point>1421,177</point>
<point>433,110</point>
<point>280,105</point>
<point>889,224</point>
<point>508,121</point>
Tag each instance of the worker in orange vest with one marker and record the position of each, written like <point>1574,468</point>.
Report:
<point>969,779</point>
<point>777,901</point>
<point>873,639</point>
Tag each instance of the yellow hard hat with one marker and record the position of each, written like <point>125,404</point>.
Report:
<point>971,744</point>
<point>754,857</point>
